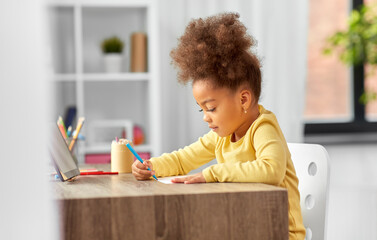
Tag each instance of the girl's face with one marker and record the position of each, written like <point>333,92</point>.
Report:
<point>223,110</point>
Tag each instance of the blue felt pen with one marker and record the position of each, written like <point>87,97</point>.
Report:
<point>138,157</point>
<point>69,131</point>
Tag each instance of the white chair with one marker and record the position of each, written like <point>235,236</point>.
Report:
<point>311,162</point>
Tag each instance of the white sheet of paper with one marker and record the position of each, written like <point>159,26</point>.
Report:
<point>167,180</point>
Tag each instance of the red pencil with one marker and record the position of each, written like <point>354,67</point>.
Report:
<point>98,173</point>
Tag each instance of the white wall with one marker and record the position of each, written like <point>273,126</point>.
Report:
<point>352,209</point>
<point>26,209</point>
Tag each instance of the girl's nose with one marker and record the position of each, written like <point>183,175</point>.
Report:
<point>206,118</point>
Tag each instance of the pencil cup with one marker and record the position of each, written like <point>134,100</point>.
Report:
<point>121,157</point>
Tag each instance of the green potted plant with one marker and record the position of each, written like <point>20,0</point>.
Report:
<point>357,45</point>
<point>112,49</point>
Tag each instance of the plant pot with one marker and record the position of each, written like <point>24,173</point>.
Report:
<point>113,62</point>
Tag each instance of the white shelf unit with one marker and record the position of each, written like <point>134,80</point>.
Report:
<point>78,28</point>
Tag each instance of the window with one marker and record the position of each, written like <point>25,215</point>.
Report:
<point>333,89</point>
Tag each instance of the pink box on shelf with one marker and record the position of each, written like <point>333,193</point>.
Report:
<point>98,158</point>
<point>105,158</point>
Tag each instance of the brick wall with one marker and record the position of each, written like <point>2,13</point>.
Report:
<point>328,80</point>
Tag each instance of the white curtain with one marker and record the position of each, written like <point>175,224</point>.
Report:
<point>280,28</point>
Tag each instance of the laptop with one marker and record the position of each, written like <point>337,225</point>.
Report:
<point>62,159</point>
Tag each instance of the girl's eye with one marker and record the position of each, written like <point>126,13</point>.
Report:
<point>209,110</point>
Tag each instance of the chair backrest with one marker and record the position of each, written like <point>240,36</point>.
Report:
<point>311,162</point>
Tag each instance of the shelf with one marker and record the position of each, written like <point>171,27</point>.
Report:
<point>106,148</point>
<point>99,77</point>
<point>80,79</point>
<point>101,3</point>
<point>116,77</point>
<point>65,77</point>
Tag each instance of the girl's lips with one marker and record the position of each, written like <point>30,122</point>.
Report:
<point>213,128</point>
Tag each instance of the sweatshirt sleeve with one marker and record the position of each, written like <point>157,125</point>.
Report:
<point>268,167</point>
<point>184,160</point>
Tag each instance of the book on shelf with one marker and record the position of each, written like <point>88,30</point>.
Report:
<point>70,115</point>
<point>138,52</point>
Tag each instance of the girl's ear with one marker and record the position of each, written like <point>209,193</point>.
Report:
<point>246,98</point>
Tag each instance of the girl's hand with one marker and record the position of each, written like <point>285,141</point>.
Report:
<point>196,178</point>
<point>140,170</point>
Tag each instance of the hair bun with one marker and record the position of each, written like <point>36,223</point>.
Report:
<point>216,47</point>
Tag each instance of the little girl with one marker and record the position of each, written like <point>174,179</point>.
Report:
<point>245,138</point>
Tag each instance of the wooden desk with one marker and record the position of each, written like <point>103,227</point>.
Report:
<point>120,207</point>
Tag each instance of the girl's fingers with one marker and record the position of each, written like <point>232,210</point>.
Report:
<point>141,165</point>
<point>138,165</point>
<point>197,178</point>
<point>148,164</point>
<point>143,172</point>
<point>191,180</point>
<point>140,171</point>
<point>141,176</point>
<point>180,179</point>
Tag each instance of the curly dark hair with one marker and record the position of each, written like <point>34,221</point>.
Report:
<point>218,48</point>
